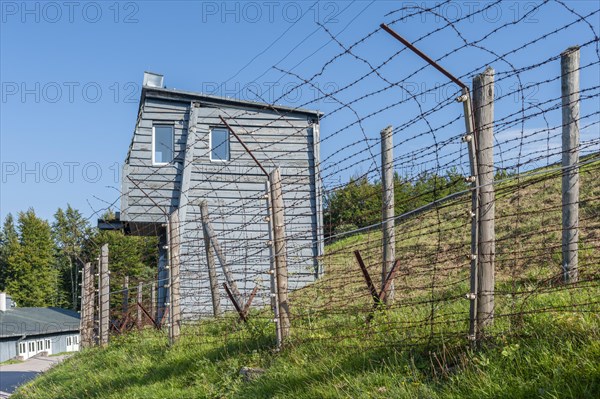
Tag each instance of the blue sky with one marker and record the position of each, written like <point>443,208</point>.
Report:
<point>71,75</point>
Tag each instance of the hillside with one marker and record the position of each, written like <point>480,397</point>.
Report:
<point>545,341</point>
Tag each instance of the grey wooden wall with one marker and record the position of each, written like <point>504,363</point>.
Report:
<point>234,191</point>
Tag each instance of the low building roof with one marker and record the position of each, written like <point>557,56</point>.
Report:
<point>37,321</point>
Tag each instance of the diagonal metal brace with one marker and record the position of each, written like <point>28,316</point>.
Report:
<point>378,297</point>
<point>388,280</point>
<point>148,315</point>
<point>243,312</point>
<point>367,277</point>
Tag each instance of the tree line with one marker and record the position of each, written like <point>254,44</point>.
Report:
<point>359,202</point>
<point>40,260</point>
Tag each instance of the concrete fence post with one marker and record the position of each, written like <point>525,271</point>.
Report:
<point>174,277</point>
<point>281,273</point>
<point>569,63</point>
<point>126,295</point>
<point>87,306</point>
<point>104,302</point>
<point>389,234</point>
<point>140,299</point>
<point>483,104</point>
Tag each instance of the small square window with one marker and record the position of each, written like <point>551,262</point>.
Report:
<point>162,144</point>
<point>219,144</point>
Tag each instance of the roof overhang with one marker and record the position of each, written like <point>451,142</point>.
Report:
<point>181,95</point>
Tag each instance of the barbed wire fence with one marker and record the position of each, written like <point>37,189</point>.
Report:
<point>478,212</point>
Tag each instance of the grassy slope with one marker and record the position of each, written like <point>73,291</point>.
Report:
<point>538,354</point>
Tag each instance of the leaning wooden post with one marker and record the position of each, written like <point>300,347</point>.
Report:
<point>569,63</point>
<point>483,104</point>
<point>139,309</point>
<point>126,295</point>
<point>389,235</point>
<point>229,277</point>
<point>281,274</point>
<point>104,289</point>
<point>174,308</point>
<point>87,306</point>
<point>210,261</point>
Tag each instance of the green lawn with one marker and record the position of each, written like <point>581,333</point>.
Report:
<point>545,341</point>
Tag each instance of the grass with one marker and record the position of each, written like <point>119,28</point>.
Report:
<point>545,341</point>
<point>10,361</point>
<point>61,354</point>
<point>557,359</point>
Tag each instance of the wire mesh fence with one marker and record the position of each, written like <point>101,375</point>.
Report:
<point>251,259</point>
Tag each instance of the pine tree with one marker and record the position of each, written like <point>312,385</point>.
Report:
<point>70,231</point>
<point>9,240</point>
<point>31,275</point>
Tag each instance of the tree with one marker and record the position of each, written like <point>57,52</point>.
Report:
<point>70,231</point>
<point>358,203</point>
<point>132,256</point>
<point>30,272</point>
<point>9,241</point>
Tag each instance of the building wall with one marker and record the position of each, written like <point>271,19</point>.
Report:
<point>8,346</point>
<point>8,349</point>
<point>234,192</point>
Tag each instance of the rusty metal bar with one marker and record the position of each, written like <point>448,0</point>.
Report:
<point>365,272</point>
<point>164,315</point>
<point>423,55</point>
<point>471,139</point>
<point>236,305</point>
<point>250,299</point>
<point>124,324</point>
<point>114,326</point>
<point>147,314</point>
<point>243,145</point>
<point>389,280</point>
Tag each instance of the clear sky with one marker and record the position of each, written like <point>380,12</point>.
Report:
<point>71,73</point>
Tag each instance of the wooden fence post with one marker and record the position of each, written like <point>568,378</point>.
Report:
<point>174,278</point>
<point>569,63</point>
<point>139,301</point>
<point>87,306</point>
<point>210,261</point>
<point>281,274</point>
<point>388,223</point>
<point>162,289</point>
<point>483,104</point>
<point>104,290</point>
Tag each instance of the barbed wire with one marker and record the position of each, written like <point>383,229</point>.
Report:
<point>329,300</point>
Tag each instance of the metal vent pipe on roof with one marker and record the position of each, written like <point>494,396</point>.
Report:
<point>152,79</point>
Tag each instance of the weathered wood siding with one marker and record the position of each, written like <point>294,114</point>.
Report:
<point>234,191</point>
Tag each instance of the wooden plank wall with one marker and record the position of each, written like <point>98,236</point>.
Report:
<point>234,191</point>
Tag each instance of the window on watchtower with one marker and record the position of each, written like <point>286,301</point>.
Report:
<point>162,144</point>
<point>219,144</point>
